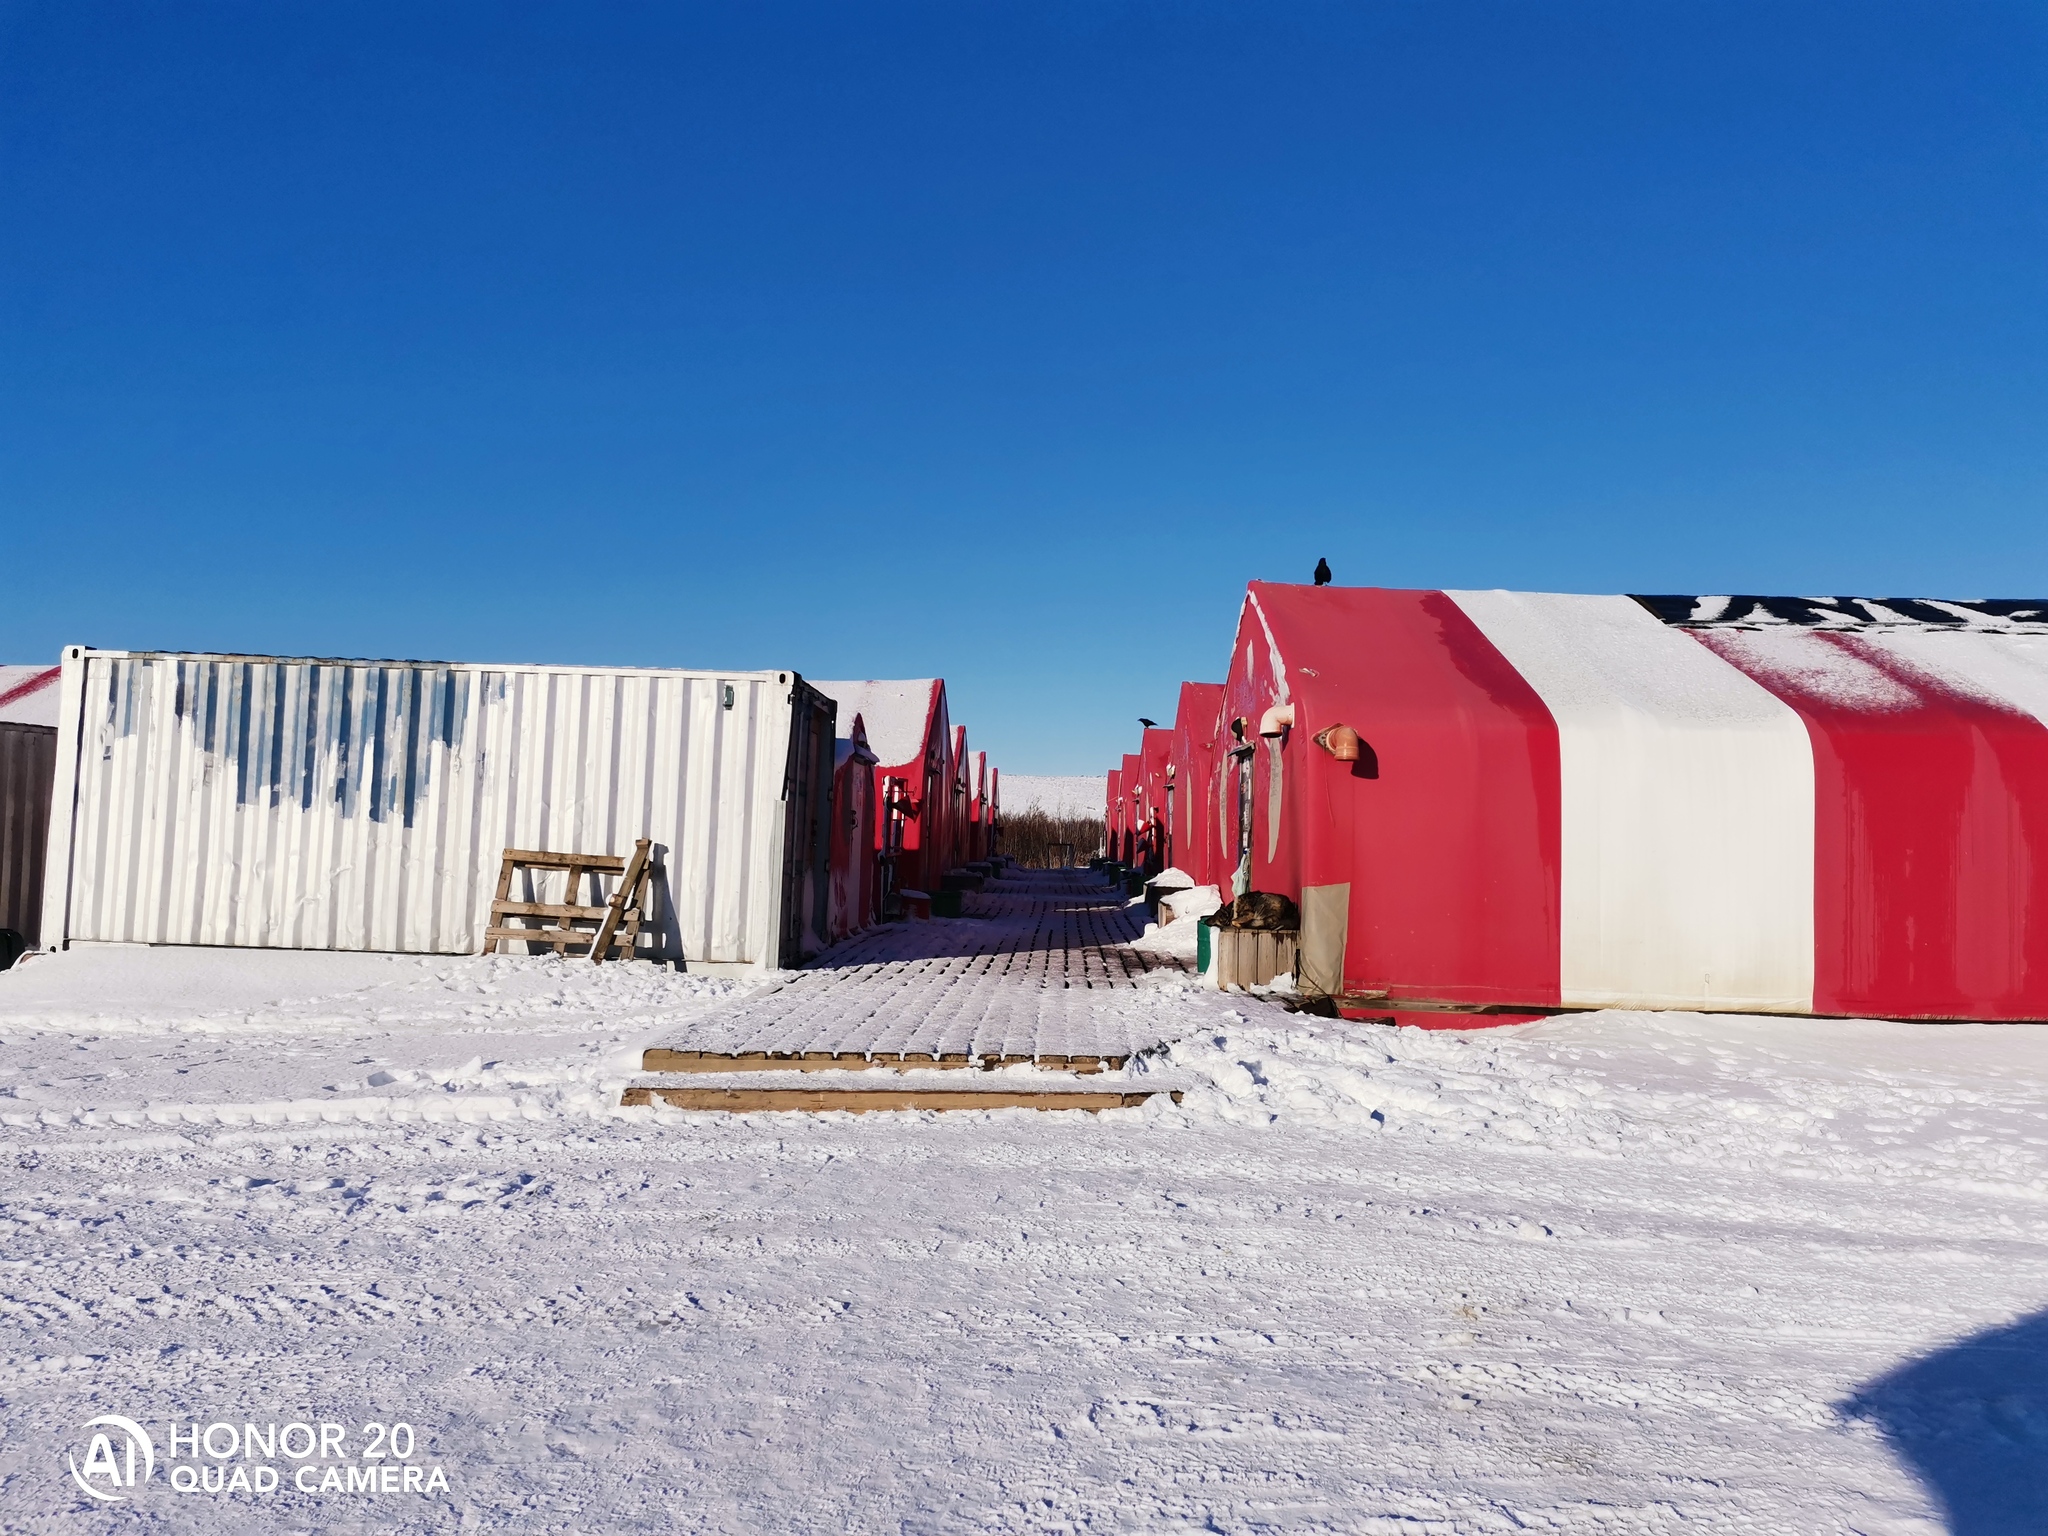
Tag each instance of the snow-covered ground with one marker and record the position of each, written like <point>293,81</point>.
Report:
<point>1177,939</point>
<point>1611,1273</point>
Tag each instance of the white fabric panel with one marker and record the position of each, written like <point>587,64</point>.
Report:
<point>1688,809</point>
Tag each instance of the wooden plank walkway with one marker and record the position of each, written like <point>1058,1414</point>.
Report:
<point>860,1101</point>
<point>1040,965</point>
<point>697,1063</point>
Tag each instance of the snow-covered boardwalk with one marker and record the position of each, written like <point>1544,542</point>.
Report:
<point>1041,964</point>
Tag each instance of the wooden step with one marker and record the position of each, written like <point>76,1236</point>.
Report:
<point>661,1059</point>
<point>862,1100</point>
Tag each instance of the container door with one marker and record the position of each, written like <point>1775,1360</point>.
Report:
<point>807,828</point>
<point>28,770</point>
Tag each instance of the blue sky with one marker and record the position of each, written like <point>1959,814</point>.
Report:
<point>999,341</point>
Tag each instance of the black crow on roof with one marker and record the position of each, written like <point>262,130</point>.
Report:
<point>1322,572</point>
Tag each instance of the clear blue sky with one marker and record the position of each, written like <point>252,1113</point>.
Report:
<point>1002,341</point>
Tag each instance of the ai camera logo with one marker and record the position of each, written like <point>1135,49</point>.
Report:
<point>109,1470</point>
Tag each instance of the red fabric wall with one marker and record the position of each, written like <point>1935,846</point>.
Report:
<point>978,847</point>
<point>1453,850</point>
<point>922,860</point>
<point>1155,750</point>
<point>1133,786</point>
<point>1930,841</point>
<point>852,845</point>
<point>1194,760</point>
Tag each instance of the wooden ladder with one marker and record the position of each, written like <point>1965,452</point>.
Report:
<point>617,921</point>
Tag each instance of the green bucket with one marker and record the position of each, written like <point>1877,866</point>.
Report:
<point>1202,932</point>
<point>946,903</point>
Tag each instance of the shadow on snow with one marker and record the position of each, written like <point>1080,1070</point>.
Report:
<point>1971,1420</point>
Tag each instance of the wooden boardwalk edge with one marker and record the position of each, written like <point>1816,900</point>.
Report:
<point>862,1100</point>
<point>662,1059</point>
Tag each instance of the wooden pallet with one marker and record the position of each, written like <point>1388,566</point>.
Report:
<point>615,924</point>
<point>861,1100</point>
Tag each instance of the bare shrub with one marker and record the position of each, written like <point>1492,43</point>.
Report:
<point>1039,841</point>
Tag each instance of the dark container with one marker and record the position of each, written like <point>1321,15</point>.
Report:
<point>28,768</point>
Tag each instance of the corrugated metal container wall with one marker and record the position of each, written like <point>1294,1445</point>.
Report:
<point>366,805</point>
<point>807,825</point>
<point>28,763</point>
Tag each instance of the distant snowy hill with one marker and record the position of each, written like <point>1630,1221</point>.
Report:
<point>1055,796</point>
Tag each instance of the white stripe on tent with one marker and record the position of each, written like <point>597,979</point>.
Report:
<point>1688,809</point>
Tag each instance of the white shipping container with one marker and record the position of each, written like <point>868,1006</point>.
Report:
<point>365,805</point>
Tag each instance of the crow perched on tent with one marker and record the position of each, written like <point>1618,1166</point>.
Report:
<point>1143,721</point>
<point>1322,572</point>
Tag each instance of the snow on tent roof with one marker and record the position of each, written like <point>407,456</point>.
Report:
<point>895,713</point>
<point>2006,615</point>
<point>852,741</point>
<point>28,695</point>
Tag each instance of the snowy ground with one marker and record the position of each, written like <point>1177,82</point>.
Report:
<point>1613,1273</point>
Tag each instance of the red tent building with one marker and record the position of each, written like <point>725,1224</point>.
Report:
<point>1826,806</point>
<point>960,821</point>
<point>1194,837</point>
<point>982,843</point>
<point>995,811</point>
<point>910,735</point>
<point>855,888</point>
<point>1130,813</point>
<point>1155,752</point>
<point>1113,813</point>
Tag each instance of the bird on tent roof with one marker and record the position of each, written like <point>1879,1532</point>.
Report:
<point>1322,572</point>
<point>1150,723</point>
